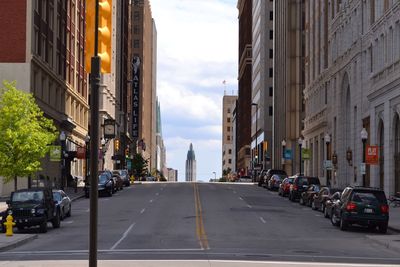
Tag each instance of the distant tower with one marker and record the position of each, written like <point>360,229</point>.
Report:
<point>190,165</point>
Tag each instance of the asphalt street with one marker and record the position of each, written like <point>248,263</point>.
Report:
<point>203,221</point>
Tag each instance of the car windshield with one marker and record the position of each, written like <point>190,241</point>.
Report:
<point>29,196</point>
<point>369,198</point>
<point>103,178</point>
<point>57,196</point>
<point>279,177</point>
<point>290,180</point>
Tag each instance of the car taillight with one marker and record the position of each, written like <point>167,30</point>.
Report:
<point>385,209</point>
<point>351,206</point>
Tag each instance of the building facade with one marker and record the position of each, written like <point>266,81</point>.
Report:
<point>288,84</point>
<point>42,50</point>
<point>228,102</point>
<point>262,83</point>
<point>143,47</point>
<point>172,175</point>
<point>352,83</point>
<point>243,107</point>
<point>190,172</point>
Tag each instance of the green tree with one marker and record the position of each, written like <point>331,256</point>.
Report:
<point>139,166</point>
<point>24,134</point>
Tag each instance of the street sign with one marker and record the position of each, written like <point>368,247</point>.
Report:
<point>328,165</point>
<point>55,153</point>
<point>362,168</point>
<point>287,154</point>
<point>372,155</point>
<point>306,153</point>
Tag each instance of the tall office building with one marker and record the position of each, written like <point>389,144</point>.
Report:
<point>143,42</point>
<point>243,107</point>
<point>228,102</point>
<point>288,84</point>
<point>190,175</point>
<point>41,48</point>
<point>262,83</point>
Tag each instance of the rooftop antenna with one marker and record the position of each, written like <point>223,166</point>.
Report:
<point>224,83</point>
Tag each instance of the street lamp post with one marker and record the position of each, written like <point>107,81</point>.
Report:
<point>364,137</point>
<point>103,152</point>
<point>327,142</point>
<point>300,141</point>
<point>255,138</point>
<point>283,153</point>
<point>63,137</point>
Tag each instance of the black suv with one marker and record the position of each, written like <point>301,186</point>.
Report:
<point>363,206</point>
<point>33,207</point>
<point>300,185</point>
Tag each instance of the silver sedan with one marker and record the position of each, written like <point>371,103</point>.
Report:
<point>63,203</point>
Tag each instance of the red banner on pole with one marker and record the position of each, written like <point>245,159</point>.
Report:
<point>80,152</point>
<point>372,155</point>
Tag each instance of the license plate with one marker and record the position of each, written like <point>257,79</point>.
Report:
<point>368,211</point>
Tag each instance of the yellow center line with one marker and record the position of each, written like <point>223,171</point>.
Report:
<point>200,231</point>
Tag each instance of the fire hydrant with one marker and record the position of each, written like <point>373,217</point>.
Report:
<point>9,225</point>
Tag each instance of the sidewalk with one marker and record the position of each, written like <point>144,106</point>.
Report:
<point>9,242</point>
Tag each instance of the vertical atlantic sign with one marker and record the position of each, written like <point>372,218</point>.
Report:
<point>135,97</point>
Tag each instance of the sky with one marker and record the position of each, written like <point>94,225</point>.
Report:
<point>197,49</point>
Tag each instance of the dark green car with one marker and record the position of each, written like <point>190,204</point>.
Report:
<point>364,206</point>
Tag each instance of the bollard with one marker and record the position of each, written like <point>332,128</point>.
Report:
<point>9,225</point>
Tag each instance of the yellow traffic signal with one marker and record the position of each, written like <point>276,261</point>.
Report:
<point>105,28</point>
<point>89,33</point>
<point>104,34</point>
<point>116,145</point>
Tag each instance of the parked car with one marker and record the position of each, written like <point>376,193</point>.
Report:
<point>363,206</point>
<point>275,181</point>
<point>105,184</point>
<point>63,203</point>
<point>306,198</point>
<point>265,176</point>
<point>33,207</point>
<point>124,175</point>
<point>320,198</point>
<point>284,187</point>
<point>330,203</point>
<point>300,184</point>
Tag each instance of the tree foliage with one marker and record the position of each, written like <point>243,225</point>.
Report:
<point>24,133</point>
<point>139,165</point>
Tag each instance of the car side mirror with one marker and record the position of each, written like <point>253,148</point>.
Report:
<point>8,202</point>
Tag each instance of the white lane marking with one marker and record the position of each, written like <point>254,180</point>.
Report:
<point>67,222</point>
<point>157,194</point>
<point>240,198</point>
<point>318,215</point>
<point>262,219</point>
<point>87,210</point>
<point>234,192</point>
<point>141,212</point>
<point>151,200</point>
<point>249,206</point>
<point>123,236</point>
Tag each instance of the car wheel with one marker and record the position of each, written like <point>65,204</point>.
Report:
<point>326,214</point>
<point>110,192</point>
<point>20,228</point>
<point>344,225</point>
<point>323,208</point>
<point>383,228</point>
<point>69,211</point>
<point>56,220</point>
<point>334,219</point>
<point>43,226</point>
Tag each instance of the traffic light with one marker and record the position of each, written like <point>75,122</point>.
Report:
<point>104,34</point>
<point>127,153</point>
<point>105,28</point>
<point>89,33</point>
<point>116,145</point>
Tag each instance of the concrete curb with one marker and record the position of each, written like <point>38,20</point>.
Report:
<point>20,241</point>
